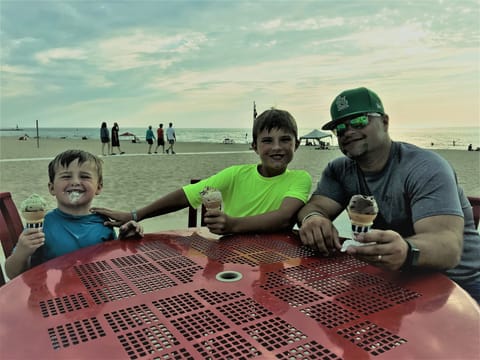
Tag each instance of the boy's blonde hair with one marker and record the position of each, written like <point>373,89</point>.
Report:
<point>65,158</point>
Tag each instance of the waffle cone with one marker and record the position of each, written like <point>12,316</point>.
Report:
<point>361,219</point>
<point>213,204</point>
<point>212,199</point>
<point>33,217</point>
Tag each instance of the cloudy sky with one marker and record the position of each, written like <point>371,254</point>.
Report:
<point>203,63</point>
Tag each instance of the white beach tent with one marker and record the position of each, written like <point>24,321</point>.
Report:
<point>315,135</point>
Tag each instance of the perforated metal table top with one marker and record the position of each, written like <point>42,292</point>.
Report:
<point>183,295</point>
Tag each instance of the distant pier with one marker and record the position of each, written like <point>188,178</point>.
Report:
<point>11,129</point>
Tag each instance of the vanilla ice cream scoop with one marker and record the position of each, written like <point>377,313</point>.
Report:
<point>211,198</point>
<point>33,210</point>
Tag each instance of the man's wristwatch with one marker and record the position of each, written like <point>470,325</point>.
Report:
<point>413,254</point>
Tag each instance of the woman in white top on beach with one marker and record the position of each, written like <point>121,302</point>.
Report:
<point>171,138</point>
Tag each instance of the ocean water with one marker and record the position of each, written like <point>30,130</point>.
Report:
<point>441,138</point>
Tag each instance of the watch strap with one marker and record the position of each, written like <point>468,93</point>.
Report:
<point>412,256</point>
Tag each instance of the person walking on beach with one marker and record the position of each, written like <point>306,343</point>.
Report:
<point>261,197</point>
<point>425,221</point>
<point>75,178</point>
<point>171,138</point>
<point>116,139</point>
<point>149,137</point>
<point>105,138</point>
<point>160,139</point>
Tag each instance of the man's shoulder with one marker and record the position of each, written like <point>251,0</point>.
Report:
<point>410,152</point>
<point>342,163</point>
<point>342,160</point>
<point>410,149</point>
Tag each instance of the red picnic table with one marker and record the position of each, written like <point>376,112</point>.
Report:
<point>188,295</point>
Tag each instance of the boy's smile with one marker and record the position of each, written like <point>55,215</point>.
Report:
<point>275,149</point>
<point>74,195</point>
<point>75,187</point>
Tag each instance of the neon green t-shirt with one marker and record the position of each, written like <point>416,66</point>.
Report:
<point>245,192</point>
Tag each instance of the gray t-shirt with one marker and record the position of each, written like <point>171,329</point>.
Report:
<point>415,184</point>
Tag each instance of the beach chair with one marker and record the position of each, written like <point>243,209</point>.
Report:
<point>475,202</point>
<point>11,226</point>
<point>192,213</point>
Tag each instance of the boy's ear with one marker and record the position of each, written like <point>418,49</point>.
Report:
<point>99,188</point>
<point>297,144</point>
<point>254,146</point>
<point>50,188</point>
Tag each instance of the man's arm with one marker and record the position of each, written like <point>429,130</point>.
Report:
<point>322,205</point>
<point>316,227</point>
<point>439,239</point>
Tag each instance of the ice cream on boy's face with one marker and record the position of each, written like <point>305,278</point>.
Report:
<point>362,210</point>
<point>33,210</point>
<point>211,198</point>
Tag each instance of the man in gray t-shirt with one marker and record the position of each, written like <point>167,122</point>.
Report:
<point>424,219</point>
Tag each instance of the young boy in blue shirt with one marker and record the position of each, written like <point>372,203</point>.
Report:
<point>75,178</point>
<point>260,197</point>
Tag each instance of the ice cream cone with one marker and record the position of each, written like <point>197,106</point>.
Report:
<point>33,211</point>
<point>34,219</point>
<point>362,210</point>
<point>361,222</point>
<point>211,199</point>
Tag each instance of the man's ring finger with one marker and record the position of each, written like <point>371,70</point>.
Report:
<point>379,257</point>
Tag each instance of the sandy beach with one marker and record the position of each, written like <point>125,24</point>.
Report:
<point>136,178</point>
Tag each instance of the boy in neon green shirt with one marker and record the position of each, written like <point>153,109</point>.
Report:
<point>261,197</point>
<point>252,192</point>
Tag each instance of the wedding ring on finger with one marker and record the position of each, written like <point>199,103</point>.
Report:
<point>379,257</point>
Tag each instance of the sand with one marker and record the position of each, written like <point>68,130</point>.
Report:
<point>136,178</point>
